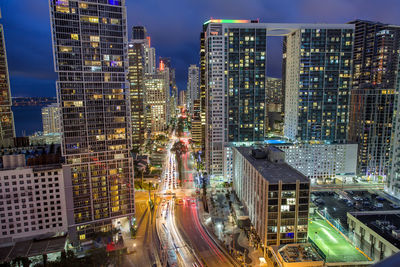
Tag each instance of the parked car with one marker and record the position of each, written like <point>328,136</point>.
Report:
<point>380,198</point>
<point>394,206</point>
<point>319,201</point>
<point>379,205</point>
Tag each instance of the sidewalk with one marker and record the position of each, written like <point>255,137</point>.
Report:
<point>233,238</point>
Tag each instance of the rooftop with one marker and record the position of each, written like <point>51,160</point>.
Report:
<point>272,172</point>
<point>299,253</point>
<point>32,248</point>
<point>384,223</point>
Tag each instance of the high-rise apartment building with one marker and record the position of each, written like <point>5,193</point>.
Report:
<point>274,91</point>
<point>51,119</point>
<point>202,88</point>
<point>182,98</point>
<point>275,195</point>
<point>7,130</point>
<point>156,88</point>
<point>136,73</point>
<point>318,82</point>
<point>193,92</point>
<point>318,73</point>
<point>196,123</point>
<point>375,74</point>
<point>139,33</point>
<point>90,46</point>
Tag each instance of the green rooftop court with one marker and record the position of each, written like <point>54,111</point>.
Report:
<point>333,245</point>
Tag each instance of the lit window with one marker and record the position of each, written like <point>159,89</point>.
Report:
<point>74,36</point>
<point>114,21</point>
<point>94,38</point>
<point>65,49</point>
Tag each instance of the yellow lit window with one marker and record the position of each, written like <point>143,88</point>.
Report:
<point>90,19</point>
<point>74,36</point>
<point>114,21</point>
<point>82,237</point>
<point>83,5</point>
<point>94,38</point>
<point>65,49</point>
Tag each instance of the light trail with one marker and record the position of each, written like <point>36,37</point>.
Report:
<point>204,235</point>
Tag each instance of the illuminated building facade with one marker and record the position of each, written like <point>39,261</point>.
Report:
<point>318,82</point>
<point>136,56</point>
<point>375,74</point>
<point>235,81</point>
<point>274,91</point>
<point>192,90</point>
<point>90,56</point>
<point>7,130</point>
<point>276,195</point>
<point>196,122</point>
<point>51,119</point>
<point>182,98</point>
<point>202,88</point>
<point>156,86</point>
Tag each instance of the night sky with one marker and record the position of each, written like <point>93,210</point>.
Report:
<point>174,27</point>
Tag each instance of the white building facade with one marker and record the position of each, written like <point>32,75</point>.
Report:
<point>32,203</point>
<point>51,119</point>
<point>321,161</point>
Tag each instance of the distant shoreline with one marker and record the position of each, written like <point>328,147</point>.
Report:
<point>33,101</point>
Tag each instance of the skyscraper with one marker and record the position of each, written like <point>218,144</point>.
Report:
<point>375,73</point>
<point>136,56</point>
<point>156,88</point>
<point>318,57</point>
<point>139,33</point>
<point>203,90</point>
<point>90,45</point>
<point>7,130</point>
<point>182,98</point>
<point>192,86</point>
<point>51,119</point>
<point>318,77</point>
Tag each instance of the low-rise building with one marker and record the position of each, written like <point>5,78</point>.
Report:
<point>377,233</point>
<point>320,161</point>
<point>295,255</point>
<point>275,195</point>
<point>32,200</point>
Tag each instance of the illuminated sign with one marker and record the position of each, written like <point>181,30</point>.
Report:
<point>228,21</point>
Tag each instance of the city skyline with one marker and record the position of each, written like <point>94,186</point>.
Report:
<point>280,148</point>
<point>182,44</point>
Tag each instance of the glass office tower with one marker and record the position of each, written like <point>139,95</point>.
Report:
<point>90,56</point>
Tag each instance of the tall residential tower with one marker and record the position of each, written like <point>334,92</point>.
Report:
<point>318,82</point>
<point>192,86</point>
<point>7,130</point>
<point>375,72</point>
<point>90,56</point>
<point>318,74</point>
